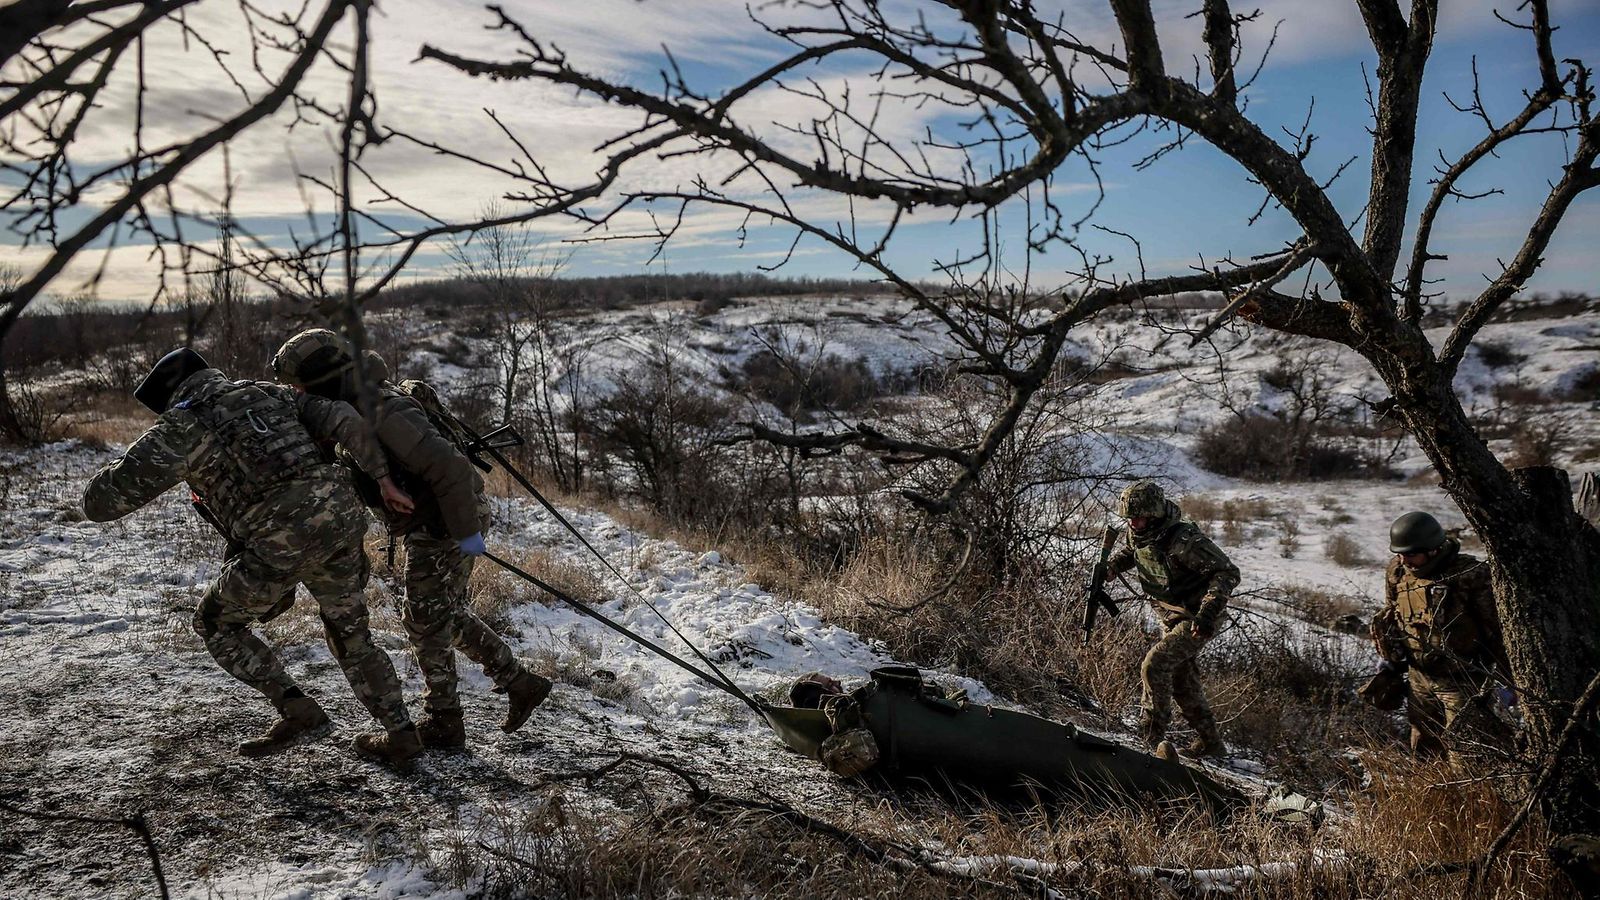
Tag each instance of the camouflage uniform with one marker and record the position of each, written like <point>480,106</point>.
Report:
<point>1439,624</point>
<point>450,505</point>
<point>1188,580</point>
<point>246,449</point>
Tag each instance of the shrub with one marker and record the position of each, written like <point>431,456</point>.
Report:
<point>1537,443</point>
<point>1343,549</point>
<point>1498,355</point>
<point>1265,448</point>
<point>831,382</point>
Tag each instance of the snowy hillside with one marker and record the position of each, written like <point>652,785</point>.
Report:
<point>109,703</point>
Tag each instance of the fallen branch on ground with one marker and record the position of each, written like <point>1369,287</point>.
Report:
<point>135,822</point>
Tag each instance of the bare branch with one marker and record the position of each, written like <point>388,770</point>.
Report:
<point>1578,176</point>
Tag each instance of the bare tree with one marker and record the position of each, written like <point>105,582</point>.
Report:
<point>515,273</point>
<point>1033,96</point>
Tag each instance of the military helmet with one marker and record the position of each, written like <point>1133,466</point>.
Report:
<point>1143,499</point>
<point>157,388</point>
<point>312,356</point>
<point>1415,532</point>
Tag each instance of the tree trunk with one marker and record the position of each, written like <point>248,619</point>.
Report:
<point>1545,564</point>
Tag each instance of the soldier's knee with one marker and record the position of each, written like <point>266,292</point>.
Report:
<point>207,617</point>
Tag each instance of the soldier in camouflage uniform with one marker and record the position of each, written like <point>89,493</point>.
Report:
<point>442,536</point>
<point>248,449</point>
<point>1440,628</point>
<point>1188,580</point>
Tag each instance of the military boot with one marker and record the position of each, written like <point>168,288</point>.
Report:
<point>443,731</point>
<point>1149,733</point>
<point>1208,744</point>
<point>396,749</point>
<point>303,721</point>
<point>525,691</point>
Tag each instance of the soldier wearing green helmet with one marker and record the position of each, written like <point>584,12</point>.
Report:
<point>1440,629</point>
<point>442,535</point>
<point>1188,580</point>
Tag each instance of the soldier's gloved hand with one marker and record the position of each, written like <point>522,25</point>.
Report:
<point>1205,627</point>
<point>474,546</point>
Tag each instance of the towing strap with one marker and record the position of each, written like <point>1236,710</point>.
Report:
<point>623,630</point>
<point>715,676</point>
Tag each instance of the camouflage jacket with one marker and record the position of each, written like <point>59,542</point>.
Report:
<point>447,489</point>
<point>1441,618</point>
<point>247,448</point>
<point>1182,571</point>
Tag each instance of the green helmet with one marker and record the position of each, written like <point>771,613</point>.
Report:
<point>1143,499</point>
<point>312,356</point>
<point>1415,532</point>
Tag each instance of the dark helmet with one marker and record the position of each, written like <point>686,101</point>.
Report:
<point>312,357</point>
<point>1415,532</point>
<point>156,390</point>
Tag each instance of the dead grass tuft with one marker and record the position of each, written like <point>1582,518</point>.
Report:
<point>1341,548</point>
<point>494,591</point>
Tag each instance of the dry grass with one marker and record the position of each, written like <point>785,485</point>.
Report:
<point>660,843</point>
<point>1205,508</point>
<point>494,591</point>
<point>1290,707</point>
<point>1341,548</point>
<point>108,419</point>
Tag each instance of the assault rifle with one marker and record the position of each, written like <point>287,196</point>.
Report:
<point>499,439</point>
<point>1096,597</point>
<point>211,519</point>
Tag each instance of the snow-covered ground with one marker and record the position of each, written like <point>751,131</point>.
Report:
<point>108,703</point>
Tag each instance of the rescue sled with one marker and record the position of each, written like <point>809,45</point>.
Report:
<point>921,734</point>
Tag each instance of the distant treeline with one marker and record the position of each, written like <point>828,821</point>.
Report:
<point>74,331</point>
<point>623,291</point>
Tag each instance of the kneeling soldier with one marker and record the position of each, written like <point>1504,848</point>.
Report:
<point>1188,580</point>
<point>442,537</point>
<point>249,450</point>
<point>1440,628</point>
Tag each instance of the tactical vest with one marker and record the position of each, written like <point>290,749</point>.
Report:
<point>1432,614</point>
<point>1172,587</point>
<point>251,443</point>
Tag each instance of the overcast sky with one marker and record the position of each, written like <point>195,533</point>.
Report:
<point>1190,206</point>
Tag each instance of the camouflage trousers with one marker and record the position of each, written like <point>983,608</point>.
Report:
<point>326,556</point>
<point>1171,672</point>
<point>1454,717</point>
<point>439,622</point>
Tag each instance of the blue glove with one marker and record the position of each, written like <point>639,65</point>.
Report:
<point>473,546</point>
<point>1506,696</point>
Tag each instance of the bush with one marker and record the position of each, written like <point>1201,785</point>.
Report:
<point>832,382</point>
<point>1264,448</point>
<point>1499,355</point>
<point>1537,444</point>
<point>1343,549</point>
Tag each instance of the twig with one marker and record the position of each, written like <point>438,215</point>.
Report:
<point>136,822</point>
<point>1581,710</point>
